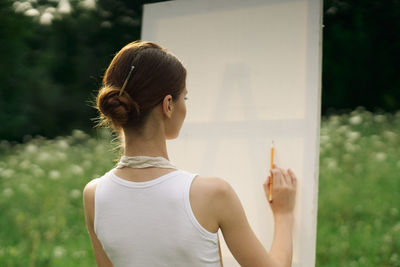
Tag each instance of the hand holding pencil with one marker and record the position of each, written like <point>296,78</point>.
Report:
<point>280,188</point>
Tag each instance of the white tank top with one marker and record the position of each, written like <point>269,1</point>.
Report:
<point>151,223</point>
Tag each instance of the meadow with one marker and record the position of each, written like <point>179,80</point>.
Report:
<point>41,183</point>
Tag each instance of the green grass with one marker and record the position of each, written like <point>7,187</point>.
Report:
<point>41,182</point>
<point>359,190</point>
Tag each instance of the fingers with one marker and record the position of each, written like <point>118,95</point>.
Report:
<point>281,185</point>
<point>278,176</point>
<point>282,177</point>
<point>286,180</point>
<point>293,177</point>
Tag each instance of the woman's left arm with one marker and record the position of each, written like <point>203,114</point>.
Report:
<point>88,204</point>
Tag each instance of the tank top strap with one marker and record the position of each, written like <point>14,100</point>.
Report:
<point>204,232</point>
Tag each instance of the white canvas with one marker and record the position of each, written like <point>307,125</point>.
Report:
<point>254,72</point>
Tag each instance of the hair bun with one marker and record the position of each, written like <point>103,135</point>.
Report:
<point>117,109</point>
<point>149,73</point>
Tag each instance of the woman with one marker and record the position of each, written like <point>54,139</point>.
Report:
<point>145,212</point>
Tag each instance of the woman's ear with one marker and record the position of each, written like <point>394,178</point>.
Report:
<point>167,106</point>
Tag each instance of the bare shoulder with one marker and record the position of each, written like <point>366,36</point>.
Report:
<point>212,186</point>
<point>88,200</point>
<point>90,189</point>
<point>214,192</point>
<point>209,196</point>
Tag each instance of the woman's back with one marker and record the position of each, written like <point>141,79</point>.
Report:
<point>151,223</point>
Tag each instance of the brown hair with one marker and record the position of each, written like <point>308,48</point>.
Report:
<point>156,73</point>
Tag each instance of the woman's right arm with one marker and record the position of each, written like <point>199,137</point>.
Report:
<point>238,235</point>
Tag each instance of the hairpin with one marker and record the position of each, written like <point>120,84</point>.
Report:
<point>126,80</point>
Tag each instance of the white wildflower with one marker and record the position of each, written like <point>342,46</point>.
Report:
<point>88,4</point>
<point>75,193</point>
<point>379,118</point>
<point>54,175</point>
<point>380,156</point>
<point>343,129</point>
<point>64,7</point>
<point>87,164</point>
<point>396,227</point>
<point>37,171</point>
<point>7,173</point>
<point>8,192</point>
<point>352,135</point>
<point>31,148</point>
<point>76,169</point>
<point>355,120</point>
<point>394,211</point>
<point>21,7</point>
<point>394,258</point>
<point>99,148</point>
<point>63,144</point>
<point>328,146</point>
<point>387,238</point>
<point>58,252</point>
<point>46,18</point>
<point>390,135</point>
<point>106,24</point>
<point>324,138</point>
<point>43,156</point>
<point>60,155</point>
<point>334,119</point>
<point>32,12</point>
<point>25,164</point>
<point>331,163</point>
<point>362,260</point>
<point>50,9</point>
<point>350,147</point>
<point>65,235</point>
<point>78,134</point>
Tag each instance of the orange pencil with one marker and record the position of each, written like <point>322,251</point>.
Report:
<point>271,179</point>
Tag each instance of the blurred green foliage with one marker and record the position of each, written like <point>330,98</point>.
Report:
<point>361,51</point>
<point>50,73</point>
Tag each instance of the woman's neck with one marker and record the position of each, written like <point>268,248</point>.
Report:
<point>150,143</point>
